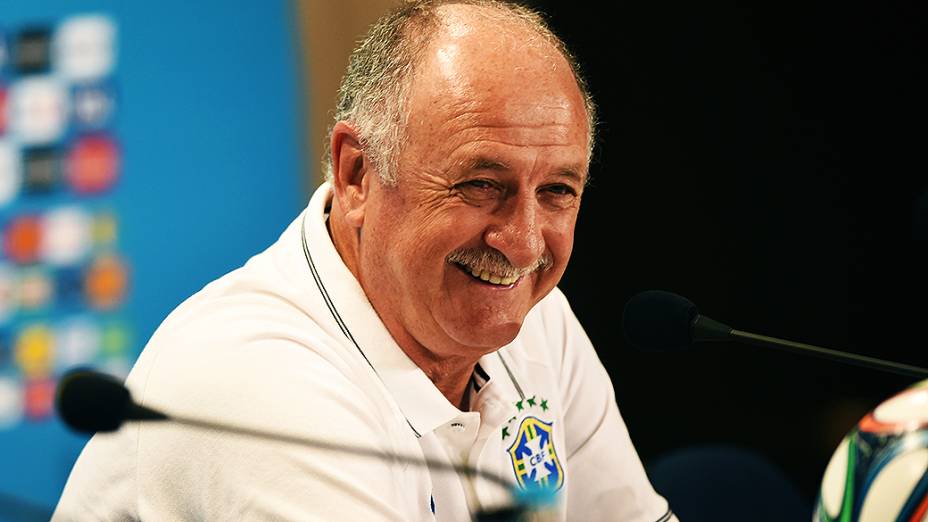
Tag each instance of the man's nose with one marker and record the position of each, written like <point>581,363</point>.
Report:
<point>516,230</point>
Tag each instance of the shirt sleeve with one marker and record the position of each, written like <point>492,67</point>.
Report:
<point>607,478</point>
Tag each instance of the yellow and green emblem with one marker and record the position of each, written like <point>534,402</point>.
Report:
<point>534,459</point>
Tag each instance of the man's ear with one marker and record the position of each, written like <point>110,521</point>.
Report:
<point>351,173</point>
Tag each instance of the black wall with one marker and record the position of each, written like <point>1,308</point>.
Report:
<point>766,161</point>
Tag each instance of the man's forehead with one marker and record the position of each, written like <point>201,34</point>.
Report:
<point>480,42</point>
<point>546,109</point>
<point>464,77</point>
<point>483,79</point>
<point>462,19</point>
<point>487,31</point>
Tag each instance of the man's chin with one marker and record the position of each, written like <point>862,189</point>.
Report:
<point>487,338</point>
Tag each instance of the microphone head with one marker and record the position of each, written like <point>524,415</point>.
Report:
<point>658,320</point>
<point>90,401</point>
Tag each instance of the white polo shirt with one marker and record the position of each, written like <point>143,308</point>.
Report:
<point>289,344</point>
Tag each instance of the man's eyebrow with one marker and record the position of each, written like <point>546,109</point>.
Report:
<point>573,173</point>
<point>484,163</point>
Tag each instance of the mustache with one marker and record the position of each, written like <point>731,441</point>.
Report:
<point>493,261</point>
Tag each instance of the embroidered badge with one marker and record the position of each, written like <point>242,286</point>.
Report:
<point>534,459</point>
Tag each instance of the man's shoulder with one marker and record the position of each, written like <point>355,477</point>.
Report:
<point>243,320</point>
<point>253,327</point>
<point>240,351</point>
<point>271,295</point>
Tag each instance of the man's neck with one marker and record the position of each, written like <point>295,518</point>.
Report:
<point>451,380</point>
<point>451,374</point>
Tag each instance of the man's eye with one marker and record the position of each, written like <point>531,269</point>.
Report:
<point>480,184</point>
<point>559,195</point>
<point>561,190</point>
<point>478,189</point>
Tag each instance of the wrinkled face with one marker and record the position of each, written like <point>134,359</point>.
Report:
<point>480,225</point>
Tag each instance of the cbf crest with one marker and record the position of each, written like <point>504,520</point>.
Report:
<point>534,458</point>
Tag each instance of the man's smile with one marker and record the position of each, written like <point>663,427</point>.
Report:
<point>490,278</point>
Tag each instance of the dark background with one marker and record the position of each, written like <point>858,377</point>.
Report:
<point>767,162</point>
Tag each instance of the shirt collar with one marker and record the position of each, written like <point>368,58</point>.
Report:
<point>423,405</point>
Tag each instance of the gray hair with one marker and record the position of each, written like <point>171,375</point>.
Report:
<point>374,92</point>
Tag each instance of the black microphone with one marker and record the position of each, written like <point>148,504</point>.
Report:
<point>662,321</point>
<point>91,402</point>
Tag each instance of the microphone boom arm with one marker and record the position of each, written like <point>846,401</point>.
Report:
<point>834,355</point>
<point>704,328</point>
<point>344,448</point>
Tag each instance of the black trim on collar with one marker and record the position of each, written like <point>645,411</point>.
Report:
<point>481,373</point>
<point>511,376</point>
<point>334,311</point>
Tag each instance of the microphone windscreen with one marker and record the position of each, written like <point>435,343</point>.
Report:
<point>658,320</point>
<point>89,401</point>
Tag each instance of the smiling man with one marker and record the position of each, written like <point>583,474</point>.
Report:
<point>411,309</point>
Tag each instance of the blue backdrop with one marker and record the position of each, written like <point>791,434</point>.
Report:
<point>206,119</point>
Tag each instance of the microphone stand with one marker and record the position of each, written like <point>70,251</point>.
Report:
<point>703,328</point>
<point>82,388</point>
<point>343,448</point>
<point>512,513</point>
<point>832,355</point>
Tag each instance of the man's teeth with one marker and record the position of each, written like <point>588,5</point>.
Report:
<point>493,278</point>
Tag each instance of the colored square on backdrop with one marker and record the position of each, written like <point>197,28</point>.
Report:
<point>35,290</point>
<point>41,170</point>
<point>116,339</point>
<point>10,172</point>
<point>85,47</point>
<point>37,110</point>
<point>66,236</point>
<point>22,239</point>
<point>93,164</point>
<point>6,349</point>
<point>69,287</point>
<point>105,229</point>
<point>32,50</point>
<point>11,401</point>
<point>105,282</point>
<point>34,351</point>
<point>77,342</point>
<point>8,299</point>
<point>4,50</point>
<point>39,398</point>
<point>94,105</point>
<point>3,96</point>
